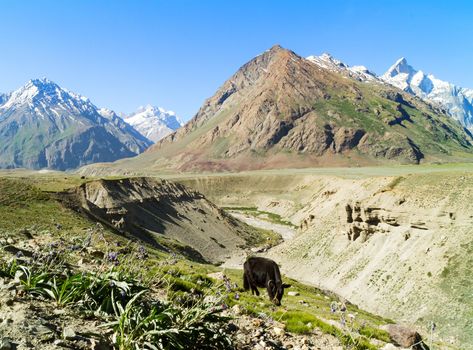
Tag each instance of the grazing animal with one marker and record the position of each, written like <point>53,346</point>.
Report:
<point>264,273</point>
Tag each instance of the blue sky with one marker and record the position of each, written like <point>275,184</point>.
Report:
<point>122,54</point>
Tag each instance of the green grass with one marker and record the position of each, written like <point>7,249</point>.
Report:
<point>25,206</point>
<point>300,318</point>
<point>302,322</point>
<point>261,236</point>
<point>292,313</point>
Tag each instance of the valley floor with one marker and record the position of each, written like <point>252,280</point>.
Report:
<point>394,240</point>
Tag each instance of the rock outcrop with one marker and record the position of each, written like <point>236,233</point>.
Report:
<point>405,337</point>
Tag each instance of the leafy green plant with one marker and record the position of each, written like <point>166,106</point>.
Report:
<point>31,279</point>
<point>67,291</point>
<point>107,288</point>
<point>158,325</point>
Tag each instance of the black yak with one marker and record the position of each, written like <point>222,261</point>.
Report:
<point>264,273</point>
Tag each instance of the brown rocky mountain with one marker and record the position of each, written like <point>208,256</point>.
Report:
<point>282,110</point>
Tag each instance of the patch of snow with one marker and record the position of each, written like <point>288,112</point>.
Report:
<point>327,61</point>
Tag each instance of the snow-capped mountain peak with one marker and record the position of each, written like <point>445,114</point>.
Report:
<point>400,67</point>
<point>154,122</point>
<point>107,113</point>
<point>54,128</point>
<point>332,60</point>
<point>456,100</point>
<point>38,93</point>
<point>150,111</point>
<point>327,61</point>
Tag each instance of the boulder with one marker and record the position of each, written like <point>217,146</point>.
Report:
<point>405,337</point>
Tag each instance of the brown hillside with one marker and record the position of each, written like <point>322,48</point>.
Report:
<point>281,110</point>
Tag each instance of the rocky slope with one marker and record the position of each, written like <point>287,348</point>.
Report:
<point>282,110</point>
<point>163,213</point>
<point>45,126</point>
<point>399,246</point>
<point>154,122</point>
<point>34,319</point>
<point>456,100</point>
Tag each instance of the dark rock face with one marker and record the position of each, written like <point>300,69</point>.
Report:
<point>346,138</point>
<point>392,147</point>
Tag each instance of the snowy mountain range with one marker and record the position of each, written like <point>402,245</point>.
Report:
<point>457,101</point>
<point>45,126</point>
<point>154,122</point>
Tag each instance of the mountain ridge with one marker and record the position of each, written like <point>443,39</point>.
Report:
<point>282,110</point>
<point>458,101</point>
<point>45,126</point>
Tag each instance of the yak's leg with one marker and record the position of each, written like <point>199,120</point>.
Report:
<point>246,282</point>
<point>254,287</point>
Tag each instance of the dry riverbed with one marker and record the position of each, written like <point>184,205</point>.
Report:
<point>287,232</point>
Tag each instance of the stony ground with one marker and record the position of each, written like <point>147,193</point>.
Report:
<point>28,322</point>
<point>263,333</point>
<point>33,322</point>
